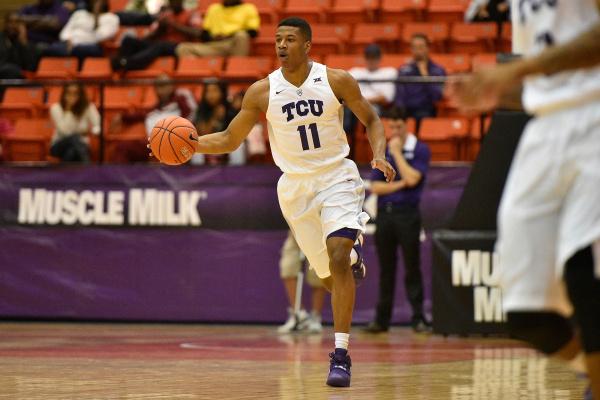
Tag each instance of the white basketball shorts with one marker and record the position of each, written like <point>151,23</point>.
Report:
<point>321,203</point>
<point>550,208</point>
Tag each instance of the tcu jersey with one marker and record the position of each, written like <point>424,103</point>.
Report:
<point>305,127</point>
<point>538,24</point>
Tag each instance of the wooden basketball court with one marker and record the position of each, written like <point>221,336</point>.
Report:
<point>114,361</point>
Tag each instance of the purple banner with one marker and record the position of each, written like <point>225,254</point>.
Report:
<point>225,269</point>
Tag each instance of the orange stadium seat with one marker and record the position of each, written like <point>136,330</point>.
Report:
<point>199,67</point>
<point>353,11</point>
<point>247,67</point>
<point>395,60</point>
<point>30,140</point>
<point>444,136</point>
<point>21,102</point>
<point>473,142</point>
<point>473,38</point>
<point>268,10</point>
<point>162,65</point>
<point>95,68</point>
<point>264,43</point>
<point>117,5</point>
<point>118,99</point>
<point>345,61</point>
<point>385,34</point>
<point>506,38</point>
<point>314,11</point>
<point>329,39</point>
<point>453,63</point>
<point>129,133</point>
<point>57,68</point>
<point>402,10</point>
<point>447,10</point>
<point>483,60</point>
<point>436,32</point>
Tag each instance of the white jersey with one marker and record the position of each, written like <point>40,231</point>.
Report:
<point>305,126</point>
<point>538,24</point>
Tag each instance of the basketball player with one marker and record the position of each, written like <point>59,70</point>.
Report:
<point>320,191</point>
<point>549,217</point>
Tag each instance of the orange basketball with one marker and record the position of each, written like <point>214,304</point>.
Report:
<point>170,140</point>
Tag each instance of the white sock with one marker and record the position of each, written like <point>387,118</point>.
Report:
<point>353,257</point>
<point>341,340</point>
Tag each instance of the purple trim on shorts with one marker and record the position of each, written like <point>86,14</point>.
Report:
<point>347,233</point>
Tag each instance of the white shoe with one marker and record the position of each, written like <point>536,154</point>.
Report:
<point>313,324</point>
<point>293,322</point>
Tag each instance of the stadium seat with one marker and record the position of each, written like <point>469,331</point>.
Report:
<point>118,99</point>
<point>314,11</point>
<point>471,147</point>
<point>264,43</point>
<point>247,67</point>
<point>453,63</point>
<point>117,5</point>
<point>353,11</point>
<point>329,39</point>
<point>57,68</point>
<point>483,60</point>
<point>199,67</point>
<point>159,66</point>
<point>505,45</point>
<point>345,61</point>
<point>95,68</point>
<point>444,136</point>
<point>447,10</point>
<point>436,32</point>
<point>19,102</point>
<point>473,38</point>
<point>395,11</point>
<point>129,132</point>
<point>111,45</point>
<point>30,140</point>
<point>268,10</point>
<point>385,34</point>
<point>395,60</point>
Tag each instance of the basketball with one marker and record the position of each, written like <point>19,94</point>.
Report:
<point>170,140</point>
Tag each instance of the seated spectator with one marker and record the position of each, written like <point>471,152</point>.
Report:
<point>228,28</point>
<point>135,13</point>
<point>86,29</point>
<point>44,21</point>
<point>73,117</point>
<point>213,115</point>
<point>173,25</point>
<point>379,94</point>
<point>419,98</point>
<point>171,101</point>
<point>16,54</point>
<point>254,149</point>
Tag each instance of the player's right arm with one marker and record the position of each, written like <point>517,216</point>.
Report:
<point>230,139</point>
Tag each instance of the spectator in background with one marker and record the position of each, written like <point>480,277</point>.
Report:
<point>398,222</point>
<point>73,117</point>
<point>16,54</point>
<point>488,10</point>
<point>419,98</point>
<point>173,25</point>
<point>86,29</point>
<point>213,115</point>
<point>44,21</point>
<point>171,101</point>
<point>135,13</point>
<point>228,28</point>
<point>255,145</point>
<point>379,94</point>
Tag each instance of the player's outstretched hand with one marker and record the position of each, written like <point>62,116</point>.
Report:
<point>384,166</point>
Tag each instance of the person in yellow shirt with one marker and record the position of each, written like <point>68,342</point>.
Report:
<point>227,29</point>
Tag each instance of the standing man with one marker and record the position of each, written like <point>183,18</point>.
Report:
<point>320,192</point>
<point>549,217</point>
<point>418,99</point>
<point>399,223</point>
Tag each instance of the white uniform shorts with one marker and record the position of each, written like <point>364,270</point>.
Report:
<point>550,208</point>
<point>321,203</point>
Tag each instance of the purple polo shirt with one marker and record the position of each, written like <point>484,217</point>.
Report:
<point>417,154</point>
<point>419,96</point>
<point>57,10</point>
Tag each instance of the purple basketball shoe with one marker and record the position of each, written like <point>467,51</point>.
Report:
<point>339,368</point>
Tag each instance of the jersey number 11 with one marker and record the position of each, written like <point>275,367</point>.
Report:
<point>304,137</point>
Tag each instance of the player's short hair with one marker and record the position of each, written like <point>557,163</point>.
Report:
<point>419,35</point>
<point>299,23</point>
<point>396,113</point>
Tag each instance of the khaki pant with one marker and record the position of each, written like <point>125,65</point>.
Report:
<point>291,262</point>
<point>236,45</point>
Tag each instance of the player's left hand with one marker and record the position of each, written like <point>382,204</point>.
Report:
<point>482,90</point>
<point>384,166</point>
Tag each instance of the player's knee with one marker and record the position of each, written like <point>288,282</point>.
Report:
<point>339,259</point>
<point>548,332</point>
<point>584,292</point>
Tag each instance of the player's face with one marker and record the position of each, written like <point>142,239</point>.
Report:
<point>291,46</point>
<point>397,128</point>
<point>419,49</point>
